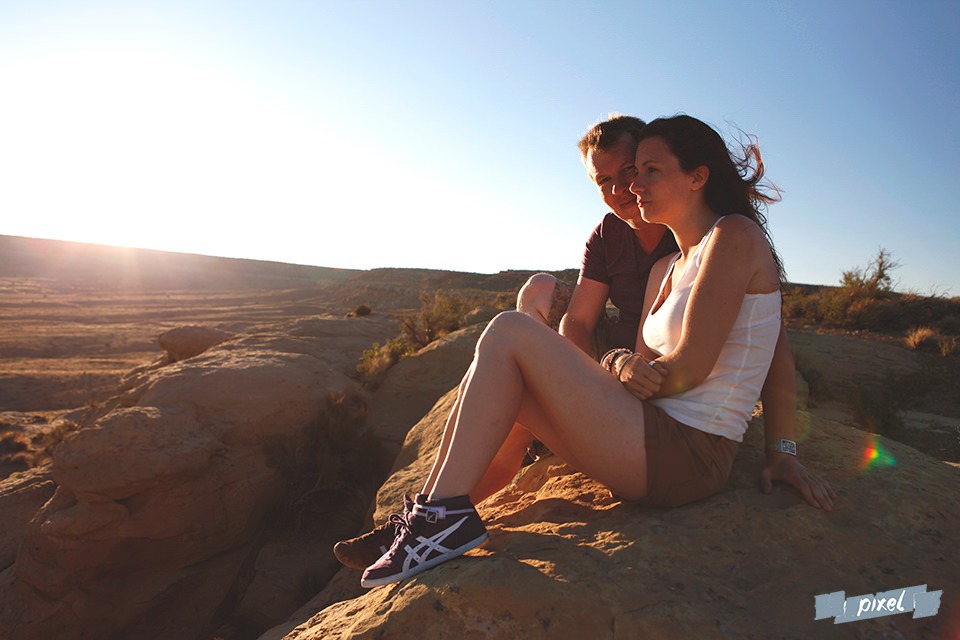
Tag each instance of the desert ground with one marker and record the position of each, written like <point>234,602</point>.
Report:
<point>76,321</point>
<point>73,323</point>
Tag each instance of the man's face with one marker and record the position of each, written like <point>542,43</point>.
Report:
<point>612,170</point>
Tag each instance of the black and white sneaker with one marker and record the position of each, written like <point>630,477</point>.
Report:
<point>433,532</point>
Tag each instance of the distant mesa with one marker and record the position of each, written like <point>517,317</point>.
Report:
<point>124,268</point>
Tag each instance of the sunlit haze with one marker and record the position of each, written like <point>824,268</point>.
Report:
<point>443,135</point>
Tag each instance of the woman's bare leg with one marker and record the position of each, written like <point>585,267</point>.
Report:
<point>537,300</point>
<point>505,464</point>
<point>501,469</point>
<point>582,413</point>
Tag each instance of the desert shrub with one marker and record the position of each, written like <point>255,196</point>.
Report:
<point>19,451</point>
<point>949,324</point>
<point>799,304</point>
<point>839,307</point>
<point>865,300</point>
<point>859,300</point>
<point>331,472</point>
<point>13,442</point>
<point>16,451</point>
<point>54,436</point>
<point>439,314</point>
<point>921,337</point>
<point>377,360</point>
<point>873,279</point>
<point>361,311</point>
<point>887,314</point>
<point>948,345</point>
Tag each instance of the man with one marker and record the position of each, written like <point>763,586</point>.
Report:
<point>616,265</point>
<point>618,255</point>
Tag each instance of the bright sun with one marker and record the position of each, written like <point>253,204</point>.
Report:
<point>144,144</point>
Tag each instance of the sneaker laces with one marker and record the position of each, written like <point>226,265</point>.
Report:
<point>399,522</point>
<point>401,526</point>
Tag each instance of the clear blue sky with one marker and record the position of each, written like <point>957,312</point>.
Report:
<point>440,134</point>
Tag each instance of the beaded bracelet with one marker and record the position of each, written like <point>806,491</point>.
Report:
<point>610,357</point>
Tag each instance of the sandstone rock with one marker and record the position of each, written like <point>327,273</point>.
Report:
<point>287,571</point>
<point>345,585</point>
<point>567,560</point>
<point>186,342</point>
<point>21,496</point>
<point>481,315</point>
<point>160,502</point>
<point>415,383</point>
<point>339,342</point>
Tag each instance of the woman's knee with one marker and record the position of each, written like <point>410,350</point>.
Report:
<point>507,329</point>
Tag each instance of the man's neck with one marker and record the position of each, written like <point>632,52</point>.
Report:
<point>649,235</point>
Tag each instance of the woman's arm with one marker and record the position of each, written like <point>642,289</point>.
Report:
<point>736,261</point>
<point>779,397</point>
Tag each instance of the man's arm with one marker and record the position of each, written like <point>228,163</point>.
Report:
<point>779,397</point>
<point>587,303</point>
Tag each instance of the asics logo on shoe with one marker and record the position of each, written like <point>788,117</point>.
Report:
<point>422,551</point>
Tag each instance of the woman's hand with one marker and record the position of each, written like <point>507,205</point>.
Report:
<point>786,468</point>
<point>642,378</point>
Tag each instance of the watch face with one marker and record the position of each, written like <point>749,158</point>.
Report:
<point>787,446</point>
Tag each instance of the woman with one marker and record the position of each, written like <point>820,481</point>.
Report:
<point>660,426</point>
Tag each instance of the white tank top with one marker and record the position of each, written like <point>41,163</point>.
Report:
<point>723,403</point>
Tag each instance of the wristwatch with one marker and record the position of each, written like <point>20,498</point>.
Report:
<point>786,446</point>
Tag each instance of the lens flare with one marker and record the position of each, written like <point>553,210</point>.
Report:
<point>875,455</point>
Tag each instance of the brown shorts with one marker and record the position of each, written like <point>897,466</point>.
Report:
<point>683,464</point>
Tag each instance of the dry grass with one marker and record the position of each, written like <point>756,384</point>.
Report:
<point>24,448</point>
<point>948,345</point>
<point>377,360</point>
<point>921,337</point>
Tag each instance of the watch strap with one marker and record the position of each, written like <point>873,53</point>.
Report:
<point>786,446</point>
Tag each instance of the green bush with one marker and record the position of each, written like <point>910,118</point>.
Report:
<point>377,360</point>
<point>865,300</point>
<point>439,315</point>
<point>873,279</point>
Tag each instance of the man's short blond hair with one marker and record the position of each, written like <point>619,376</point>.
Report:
<point>604,135</point>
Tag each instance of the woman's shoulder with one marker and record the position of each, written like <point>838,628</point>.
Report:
<point>737,222</point>
<point>739,241</point>
<point>738,230</point>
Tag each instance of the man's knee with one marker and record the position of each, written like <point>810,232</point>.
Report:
<point>536,296</point>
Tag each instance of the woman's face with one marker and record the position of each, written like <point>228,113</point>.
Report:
<point>663,189</point>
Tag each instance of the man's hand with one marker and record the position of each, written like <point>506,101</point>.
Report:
<point>786,468</point>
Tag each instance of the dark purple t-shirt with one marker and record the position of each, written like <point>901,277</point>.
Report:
<point>613,256</point>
